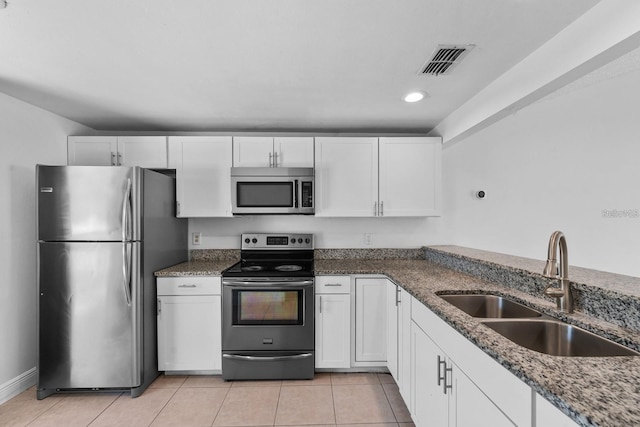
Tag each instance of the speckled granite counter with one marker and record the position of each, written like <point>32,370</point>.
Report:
<point>592,391</point>
<point>197,268</point>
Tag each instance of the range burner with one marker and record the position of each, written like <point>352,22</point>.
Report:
<point>289,267</point>
<point>252,268</point>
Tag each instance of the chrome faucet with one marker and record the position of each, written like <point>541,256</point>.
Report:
<point>563,295</point>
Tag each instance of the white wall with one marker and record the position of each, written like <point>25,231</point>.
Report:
<point>555,165</point>
<point>223,233</point>
<point>29,135</point>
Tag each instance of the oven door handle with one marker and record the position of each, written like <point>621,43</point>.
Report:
<point>268,358</point>
<point>248,284</point>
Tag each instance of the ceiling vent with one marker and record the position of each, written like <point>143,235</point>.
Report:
<point>444,59</point>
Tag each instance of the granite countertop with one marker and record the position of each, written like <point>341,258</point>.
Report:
<point>593,391</point>
<point>197,268</point>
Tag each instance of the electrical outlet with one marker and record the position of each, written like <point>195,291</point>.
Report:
<point>368,239</point>
<point>196,238</point>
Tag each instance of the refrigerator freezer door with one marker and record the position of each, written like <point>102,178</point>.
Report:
<point>87,203</point>
<point>88,320</point>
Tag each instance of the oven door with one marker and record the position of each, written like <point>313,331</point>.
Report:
<point>268,316</point>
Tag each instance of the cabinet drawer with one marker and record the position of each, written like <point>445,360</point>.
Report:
<point>333,284</point>
<point>189,285</point>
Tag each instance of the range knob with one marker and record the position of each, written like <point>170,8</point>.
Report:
<point>247,240</point>
<point>254,240</point>
<point>293,240</point>
<point>300,240</point>
<point>307,240</point>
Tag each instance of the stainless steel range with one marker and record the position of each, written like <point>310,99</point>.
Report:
<point>268,309</point>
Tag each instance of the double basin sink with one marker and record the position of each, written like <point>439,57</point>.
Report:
<point>531,329</point>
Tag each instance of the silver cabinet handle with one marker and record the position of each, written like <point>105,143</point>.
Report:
<point>275,157</point>
<point>267,358</point>
<point>320,304</point>
<point>375,208</point>
<point>113,159</point>
<point>159,306</point>
<point>381,208</point>
<point>442,378</point>
<point>333,284</point>
<point>188,286</point>
<point>119,159</point>
<point>270,160</point>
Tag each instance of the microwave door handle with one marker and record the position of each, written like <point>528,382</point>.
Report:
<point>295,194</point>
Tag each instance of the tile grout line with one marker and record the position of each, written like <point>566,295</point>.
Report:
<point>275,414</point>
<point>166,403</point>
<point>46,410</point>
<point>221,404</point>
<point>384,390</point>
<point>104,410</point>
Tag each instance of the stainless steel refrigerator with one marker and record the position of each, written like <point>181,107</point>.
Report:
<point>102,232</point>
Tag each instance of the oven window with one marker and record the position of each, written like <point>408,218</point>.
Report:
<point>265,194</point>
<point>268,307</point>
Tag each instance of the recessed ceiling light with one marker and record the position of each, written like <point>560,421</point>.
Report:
<point>414,96</point>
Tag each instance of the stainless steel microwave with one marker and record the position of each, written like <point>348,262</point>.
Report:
<point>270,191</point>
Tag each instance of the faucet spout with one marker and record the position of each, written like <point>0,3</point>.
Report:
<point>557,267</point>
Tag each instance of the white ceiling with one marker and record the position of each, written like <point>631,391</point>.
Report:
<point>262,65</point>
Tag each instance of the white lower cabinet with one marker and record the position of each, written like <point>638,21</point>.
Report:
<point>393,332</point>
<point>333,319</point>
<point>453,383</point>
<point>404,345</point>
<point>547,415</point>
<point>189,324</point>
<point>371,321</point>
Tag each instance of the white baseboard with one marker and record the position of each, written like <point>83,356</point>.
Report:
<point>17,385</point>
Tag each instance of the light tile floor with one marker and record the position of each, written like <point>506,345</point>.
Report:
<point>364,399</point>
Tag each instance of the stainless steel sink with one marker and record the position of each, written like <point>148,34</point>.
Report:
<point>489,306</point>
<point>557,338</point>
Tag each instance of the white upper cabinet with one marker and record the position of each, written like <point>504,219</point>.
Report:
<point>203,177</point>
<point>293,152</point>
<point>346,176</point>
<point>143,151</point>
<point>369,176</point>
<point>410,176</point>
<point>266,151</point>
<point>92,150</point>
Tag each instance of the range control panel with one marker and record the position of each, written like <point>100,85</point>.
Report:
<point>277,241</point>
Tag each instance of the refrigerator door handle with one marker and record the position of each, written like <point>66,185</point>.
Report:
<point>126,270</point>
<point>126,212</point>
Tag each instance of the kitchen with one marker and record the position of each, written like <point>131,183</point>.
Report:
<point>571,153</point>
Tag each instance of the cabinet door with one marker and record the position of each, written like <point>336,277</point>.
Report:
<point>143,151</point>
<point>203,175</point>
<point>472,407</point>
<point>346,176</point>
<point>371,320</point>
<point>293,152</point>
<point>333,334</point>
<point>404,345</point>
<point>92,150</point>
<point>410,176</point>
<point>549,415</point>
<point>392,329</point>
<point>429,405</point>
<point>189,333</point>
<point>253,151</point>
